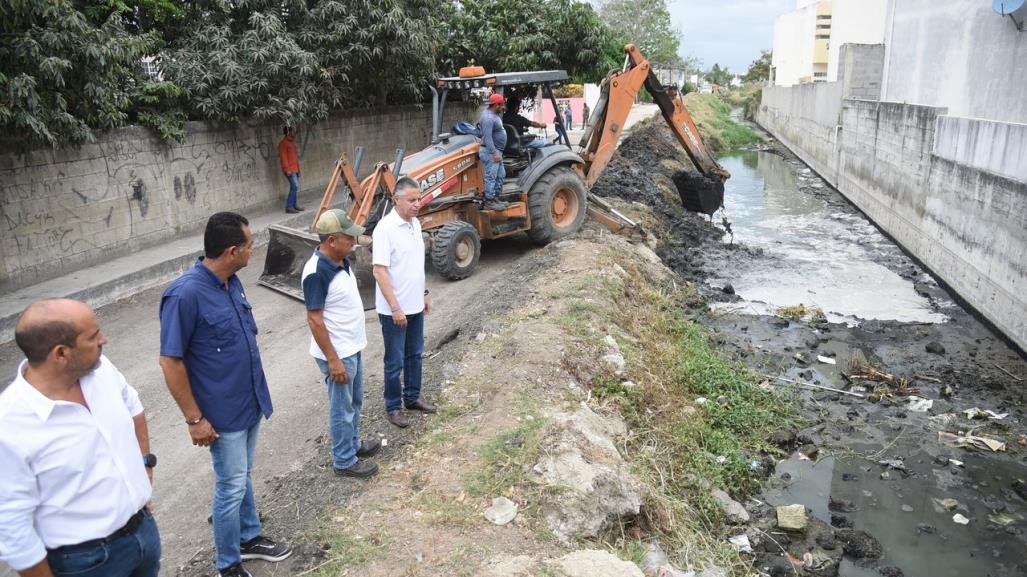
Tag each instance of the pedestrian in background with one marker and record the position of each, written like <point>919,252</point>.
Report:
<point>584,115</point>
<point>568,117</point>
<point>75,455</point>
<point>401,301</point>
<point>335,316</point>
<point>290,161</point>
<point>212,366</point>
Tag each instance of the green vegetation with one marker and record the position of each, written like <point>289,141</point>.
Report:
<point>759,70</point>
<point>747,98</point>
<point>680,447</point>
<point>713,118</point>
<point>74,69</point>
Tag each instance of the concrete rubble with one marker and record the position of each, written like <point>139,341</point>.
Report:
<point>593,488</point>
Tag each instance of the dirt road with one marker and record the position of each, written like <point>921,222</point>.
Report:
<point>290,438</point>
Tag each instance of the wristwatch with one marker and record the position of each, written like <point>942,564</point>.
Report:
<point>149,460</point>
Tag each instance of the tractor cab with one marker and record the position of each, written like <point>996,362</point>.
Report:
<point>521,150</point>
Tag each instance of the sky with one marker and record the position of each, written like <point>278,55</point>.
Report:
<point>728,32</point>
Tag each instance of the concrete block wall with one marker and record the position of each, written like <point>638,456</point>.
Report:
<point>949,190</point>
<point>61,210</point>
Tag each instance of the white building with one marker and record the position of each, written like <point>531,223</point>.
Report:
<point>807,39</point>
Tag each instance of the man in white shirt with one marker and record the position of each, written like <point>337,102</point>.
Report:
<point>74,451</point>
<point>335,316</point>
<point>401,300</point>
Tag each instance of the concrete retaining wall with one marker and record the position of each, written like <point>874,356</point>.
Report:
<point>950,190</point>
<point>67,209</point>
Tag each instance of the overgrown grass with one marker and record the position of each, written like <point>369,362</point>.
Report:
<point>680,449</point>
<point>346,549</point>
<point>713,118</point>
<point>747,98</point>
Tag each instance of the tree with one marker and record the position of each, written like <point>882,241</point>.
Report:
<point>719,76</point>
<point>759,70</point>
<point>647,25</point>
<point>510,35</point>
<point>64,76</point>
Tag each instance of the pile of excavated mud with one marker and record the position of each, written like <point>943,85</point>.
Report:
<point>643,170</point>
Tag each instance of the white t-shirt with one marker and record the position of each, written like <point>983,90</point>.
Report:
<point>69,474</point>
<point>333,289</point>
<point>398,245</point>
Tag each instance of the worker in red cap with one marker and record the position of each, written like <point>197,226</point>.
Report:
<point>493,141</point>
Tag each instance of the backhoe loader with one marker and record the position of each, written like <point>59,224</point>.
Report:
<point>546,189</point>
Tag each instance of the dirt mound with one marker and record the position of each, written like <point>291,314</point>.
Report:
<point>643,171</point>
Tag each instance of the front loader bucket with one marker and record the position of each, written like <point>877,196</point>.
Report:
<point>289,249</point>
<point>699,193</point>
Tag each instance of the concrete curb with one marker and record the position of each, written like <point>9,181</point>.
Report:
<point>126,276</point>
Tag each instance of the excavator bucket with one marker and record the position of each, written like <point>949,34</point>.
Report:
<point>287,252</point>
<point>699,193</point>
<point>289,248</point>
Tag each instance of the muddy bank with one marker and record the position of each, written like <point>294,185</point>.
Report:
<point>881,463</point>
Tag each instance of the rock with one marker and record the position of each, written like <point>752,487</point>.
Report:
<point>502,511</point>
<point>859,544</point>
<point>935,347</point>
<point>940,407</point>
<point>1020,487</point>
<point>594,563</point>
<point>616,362</point>
<point>841,505</point>
<point>840,521</point>
<point>907,508</point>
<point>891,572</point>
<point>812,342</point>
<point>728,289</point>
<point>733,510</point>
<point>779,322</point>
<point>596,488</point>
<point>782,438</point>
<point>612,343</point>
<point>926,528</point>
<point>655,563</point>
<point>791,517</point>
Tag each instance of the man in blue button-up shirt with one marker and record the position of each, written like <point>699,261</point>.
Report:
<point>211,363</point>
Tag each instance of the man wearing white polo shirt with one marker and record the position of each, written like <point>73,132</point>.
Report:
<point>74,455</point>
<point>401,301</point>
<point>335,316</point>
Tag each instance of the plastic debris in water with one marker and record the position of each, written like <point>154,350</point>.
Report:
<point>958,518</point>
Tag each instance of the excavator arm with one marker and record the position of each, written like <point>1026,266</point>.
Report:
<point>617,95</point>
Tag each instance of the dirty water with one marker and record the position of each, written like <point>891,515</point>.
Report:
<point>814,248</point>
<point>817,255</point>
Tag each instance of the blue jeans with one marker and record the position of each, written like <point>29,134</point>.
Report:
<point>495,172</point>
<point>344,402</point>
<point>403,348</point>
<point>134,555</point>
<point>537,142</point>
<point>235,511</point>
<point>294,188</point>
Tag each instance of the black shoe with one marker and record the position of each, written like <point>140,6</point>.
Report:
<point>265,549</point>
<point>495,205</point>
<point>422,406</point>
<point>369,448</point>
<point>361,470</point>
<point>292,210</point>
<point>299,208</point>
<point>234,571</point>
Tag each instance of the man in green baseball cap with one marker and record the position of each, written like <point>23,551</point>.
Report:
<point>335,315</point>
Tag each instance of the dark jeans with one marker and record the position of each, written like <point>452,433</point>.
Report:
<point>294,188</point>
<point>403,348</point>
<point>134,555</point>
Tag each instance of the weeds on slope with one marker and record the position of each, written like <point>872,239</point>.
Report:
<point>680,446</point>
<point>713,118</point>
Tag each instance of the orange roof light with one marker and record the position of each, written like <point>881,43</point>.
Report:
<point>469,71</point>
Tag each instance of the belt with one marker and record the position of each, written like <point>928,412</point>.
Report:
<point>128,528</point>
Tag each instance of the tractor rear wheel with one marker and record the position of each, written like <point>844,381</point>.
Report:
<point>455,250</point>
<point>557,203</point>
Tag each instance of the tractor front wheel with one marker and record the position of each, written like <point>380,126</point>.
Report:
<point>455,250</point>
<point>557,203</point>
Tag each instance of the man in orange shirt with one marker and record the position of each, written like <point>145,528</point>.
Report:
<point>290,167</point>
